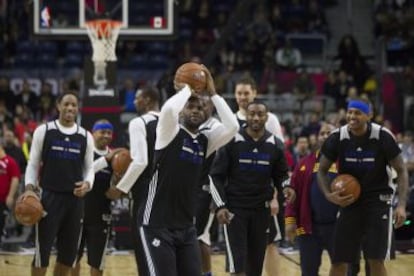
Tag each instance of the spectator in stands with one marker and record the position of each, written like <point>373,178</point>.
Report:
<point>331,87</point>
<point>313,125</point>
<point>127,96</point>
<point>301,148</point>
<point>27,97</point>
<point>348,53</point>
<point>6,118</point>
<point>23,122</point>
<point>288,57</point>
<point>407,148</point>
<point>6,94</point>
<point>316,18</point>
<point>344,82</point>
<point>12,147</point>
<point>46,110</point>
<point>304,88</point>
<point>9,183</point>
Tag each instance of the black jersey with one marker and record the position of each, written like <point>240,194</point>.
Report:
<point>364,157</point>
<point>170,201</point>
<point>140,188</point>
<point>249,167</point>
<point>97,205</point>
<point>62,158</point>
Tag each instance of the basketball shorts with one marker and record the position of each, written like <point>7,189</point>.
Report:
<point>63,222</point>
<point>173,252</point>
<point>203,213</point>
<point>246,240</point>
<point>95,238</point>
<point>366,224</point>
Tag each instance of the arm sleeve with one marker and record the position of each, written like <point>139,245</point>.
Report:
<point>88,169</point>
<point>218,177</point>
<point>223,132</point>
<point>139,155</point>
<point>168,123</point>
<point>280,170</point>
<point>100,164</point>
<point>274,127</point>
<point>35,156</point>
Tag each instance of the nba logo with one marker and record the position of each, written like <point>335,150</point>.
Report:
<point>45,17</point>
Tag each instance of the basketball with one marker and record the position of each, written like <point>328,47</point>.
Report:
<point>192,74</point>
<point>121,161</point>
<point>28,211</point>
<point>347,182</point>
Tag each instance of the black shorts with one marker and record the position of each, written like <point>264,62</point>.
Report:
<point>366,224</point>
<point>95,238</point>
<point>63,222</point>
<point>246,240</point>
<point>202,212</point>
<point>173,252</point>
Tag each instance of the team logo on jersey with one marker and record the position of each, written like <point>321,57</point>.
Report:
<point>156,242</point>
<point>254,161</point>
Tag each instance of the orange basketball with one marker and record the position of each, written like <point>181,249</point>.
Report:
<point>192,74</point>
<point>121,161</point>
<point>28,211</point>
<point>347,182</point>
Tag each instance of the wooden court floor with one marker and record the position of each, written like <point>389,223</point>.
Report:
<point>124,265</point>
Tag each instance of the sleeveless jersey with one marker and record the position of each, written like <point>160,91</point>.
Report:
<point>140,188</point>
<point>364,157</point>
<point>62,158</point>
<point>97,205</point>
<point>172,190</point>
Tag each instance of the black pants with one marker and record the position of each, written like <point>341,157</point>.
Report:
<point>172,252</point>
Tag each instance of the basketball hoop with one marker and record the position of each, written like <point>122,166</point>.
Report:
<point>103,34</point>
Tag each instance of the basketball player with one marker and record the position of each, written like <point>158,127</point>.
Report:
<point>97,216</point>
<point>311,216</point>
<point>9,184</point>
<point>62,151</point>
<point>364,150</point>
<point>248,164</point>
<point>138,175</point>
<point>168,233</point>
<point>245,92</point>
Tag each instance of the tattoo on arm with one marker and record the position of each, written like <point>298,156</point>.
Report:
<point>402,179</point>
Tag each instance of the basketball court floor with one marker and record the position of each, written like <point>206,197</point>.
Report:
<point>123,263</point>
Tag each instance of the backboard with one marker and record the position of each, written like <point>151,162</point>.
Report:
<point>65,19</point>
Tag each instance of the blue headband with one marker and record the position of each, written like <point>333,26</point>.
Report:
<point>100,126</point>
<point>364,107</point>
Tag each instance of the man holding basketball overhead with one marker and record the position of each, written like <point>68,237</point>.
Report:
<point>364,149</point>
<point>138,175</point>
<point>167,232</point>
<point>62,151</point>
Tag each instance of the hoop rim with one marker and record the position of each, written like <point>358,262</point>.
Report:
<point>97,22</point>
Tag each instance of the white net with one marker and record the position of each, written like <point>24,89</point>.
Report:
<point>103,35</point>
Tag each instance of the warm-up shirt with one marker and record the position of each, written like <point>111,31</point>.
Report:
<point>248,167</point>
<point>142,142</point>
<point>365,157</point>
<point>179,159</point>
<point>62,155</point>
